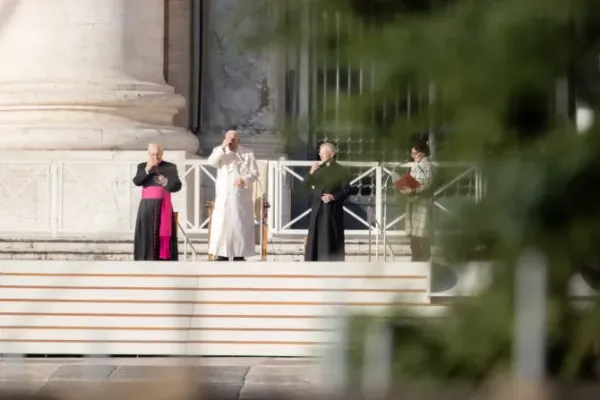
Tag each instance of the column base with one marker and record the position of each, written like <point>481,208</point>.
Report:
<point>98,139</point>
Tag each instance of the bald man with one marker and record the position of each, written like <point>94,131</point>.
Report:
<point>232,223</point>
<point>155,227</point>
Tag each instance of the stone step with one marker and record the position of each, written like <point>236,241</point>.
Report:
<point>65,256</point>
<point>278,247</point>
<point>121,250</point>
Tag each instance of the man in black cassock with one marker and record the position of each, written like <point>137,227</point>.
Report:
<point>155,227</point>
<point>329,185</point>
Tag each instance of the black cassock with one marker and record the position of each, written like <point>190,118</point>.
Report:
<point>147,224</point>
<point>325,241</point>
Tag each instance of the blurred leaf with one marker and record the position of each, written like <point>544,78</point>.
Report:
<point>492,66</point>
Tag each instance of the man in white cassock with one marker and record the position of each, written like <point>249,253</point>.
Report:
<point>232,223</point>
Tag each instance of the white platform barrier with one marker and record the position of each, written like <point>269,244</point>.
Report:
<point>187,308</point>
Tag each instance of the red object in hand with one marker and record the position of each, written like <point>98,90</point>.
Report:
<point>408,181</point>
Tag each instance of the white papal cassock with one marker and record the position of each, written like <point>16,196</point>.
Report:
<point>232,223</point>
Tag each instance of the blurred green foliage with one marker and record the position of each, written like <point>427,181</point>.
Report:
<point>495,65</point>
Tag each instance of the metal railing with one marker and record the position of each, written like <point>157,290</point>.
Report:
<point>97,198</point>
<point>187,244</point>
<point>283,182</point>
<point>377,216</point>
<point>199,178</point>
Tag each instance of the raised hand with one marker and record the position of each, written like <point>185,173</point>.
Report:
<point>326,198</point>
<point>151,163</point>
<point>314,167</point>
<point>226,142</point>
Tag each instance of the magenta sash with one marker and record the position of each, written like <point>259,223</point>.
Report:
<point>166,218</point>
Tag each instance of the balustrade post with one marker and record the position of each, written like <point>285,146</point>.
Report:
<point>210,205</point>
<point>265,230</point>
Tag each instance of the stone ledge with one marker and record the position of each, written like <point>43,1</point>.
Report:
<point>159,379</point>
<point>201,257</point>
<point>121,249</point>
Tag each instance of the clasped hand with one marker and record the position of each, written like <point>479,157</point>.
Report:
<point>406,190</point>
<point>161,180</point>
<point>239,183</point>
<point>326,198</point>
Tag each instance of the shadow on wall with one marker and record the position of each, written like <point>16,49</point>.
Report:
<point>6,11</point>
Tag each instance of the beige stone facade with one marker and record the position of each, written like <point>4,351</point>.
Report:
<point>239,88</point>
<point>113,75</point>
<point>85,85</point>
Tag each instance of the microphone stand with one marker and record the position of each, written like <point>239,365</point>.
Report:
<point>370,220</point>
<point>261,223</point>
<point>385,191</point>
<point>385,194</point>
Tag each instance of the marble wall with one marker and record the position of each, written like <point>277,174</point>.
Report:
<point>241,87</point>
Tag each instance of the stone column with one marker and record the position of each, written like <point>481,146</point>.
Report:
<point>86,75</point>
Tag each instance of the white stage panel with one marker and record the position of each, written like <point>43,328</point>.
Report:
<point>195,308</point>
<point>286,270</point>
<point>59,334</point>
<point>181,323</point>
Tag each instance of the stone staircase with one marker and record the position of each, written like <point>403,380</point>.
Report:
<point>121,250</point>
